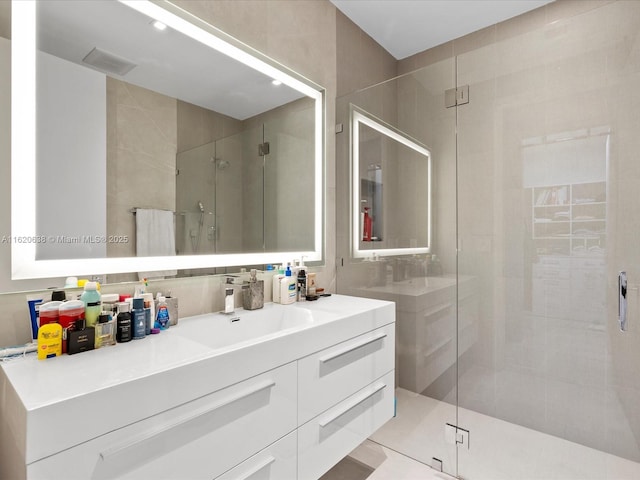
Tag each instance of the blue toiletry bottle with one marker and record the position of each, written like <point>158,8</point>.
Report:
<point>139,326</point>
<point>162,315</point>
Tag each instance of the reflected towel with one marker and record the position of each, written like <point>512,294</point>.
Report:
<point>155,236</point>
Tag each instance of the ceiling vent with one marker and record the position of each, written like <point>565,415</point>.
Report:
<point>108,62</point>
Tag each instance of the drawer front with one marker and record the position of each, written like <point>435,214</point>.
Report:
<point>201,439</point>
<point>329,376</point>
<point>276,462</point>
<point>329,437</point>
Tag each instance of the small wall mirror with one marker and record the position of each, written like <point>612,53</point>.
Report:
<point>132,109</point>
<point>391,189</point>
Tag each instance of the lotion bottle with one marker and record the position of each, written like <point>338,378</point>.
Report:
<point>287,288</point>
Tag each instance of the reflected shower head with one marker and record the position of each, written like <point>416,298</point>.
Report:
<point>201,207</point>
<point>222,164</point>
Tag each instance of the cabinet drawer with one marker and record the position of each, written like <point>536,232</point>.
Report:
<point>276,462</point>
<point>324,440</point>
<point>329,376</point>
<point>224,427</point>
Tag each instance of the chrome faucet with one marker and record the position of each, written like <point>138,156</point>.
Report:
<point>229,298</point>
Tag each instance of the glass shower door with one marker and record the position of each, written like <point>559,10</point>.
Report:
<point>402,195</point>
<point>289,179</point>
<point>548,215</point>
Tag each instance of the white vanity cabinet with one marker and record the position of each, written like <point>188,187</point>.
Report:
<point>278,461</point>
<point>285,405</point>
<point>201,439</point>
<point>345,393</point>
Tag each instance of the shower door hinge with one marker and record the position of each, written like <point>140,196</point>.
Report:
<point>456,435</point>
<point>263,149</point>
<point>456,96</point>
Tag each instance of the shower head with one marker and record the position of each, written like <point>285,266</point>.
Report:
<point>201,207</point>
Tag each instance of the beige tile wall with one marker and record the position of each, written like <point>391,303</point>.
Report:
<point>5,20</point>
<point>141,152</point>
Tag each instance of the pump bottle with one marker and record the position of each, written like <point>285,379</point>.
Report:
<point>288,288</point>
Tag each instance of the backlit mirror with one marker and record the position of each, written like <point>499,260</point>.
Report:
<point>139,149</point>
<point>391,189</point>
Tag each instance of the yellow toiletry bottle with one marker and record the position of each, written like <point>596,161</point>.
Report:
<point>49,340</point>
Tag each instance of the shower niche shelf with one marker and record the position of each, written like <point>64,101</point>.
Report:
<point>568,225</point>
<point>569,219</point>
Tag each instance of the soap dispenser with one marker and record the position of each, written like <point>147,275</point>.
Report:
<point>288,288</point>
<point>253,292</point>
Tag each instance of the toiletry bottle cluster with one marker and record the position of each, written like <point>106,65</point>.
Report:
<point>96,321</point>
<point>292,285</point>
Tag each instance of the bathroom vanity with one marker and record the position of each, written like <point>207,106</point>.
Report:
<point>283,392</point>
<point>427,327</point>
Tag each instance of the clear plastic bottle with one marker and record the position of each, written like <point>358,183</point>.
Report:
<point>92,303</point>
<point>105,330</point>
<point>275,297</point>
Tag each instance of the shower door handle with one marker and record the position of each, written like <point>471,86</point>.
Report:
<point>622,300</point>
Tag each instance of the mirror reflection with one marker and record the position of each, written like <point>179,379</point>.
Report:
<point>151,143</point>
<point>391,173</point>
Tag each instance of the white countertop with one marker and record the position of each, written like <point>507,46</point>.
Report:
<point>45,382</point>
<point>142,378</point>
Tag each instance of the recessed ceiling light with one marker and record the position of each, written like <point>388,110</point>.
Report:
<point>158,24</point>
<point>276,82</point>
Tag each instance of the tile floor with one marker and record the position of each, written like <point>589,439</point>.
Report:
<point>499,450</point>
<point>372,461</point>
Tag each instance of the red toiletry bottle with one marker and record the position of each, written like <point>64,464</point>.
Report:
<point>368,226</point>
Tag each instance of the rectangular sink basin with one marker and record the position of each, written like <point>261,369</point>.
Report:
<point>219,330</point>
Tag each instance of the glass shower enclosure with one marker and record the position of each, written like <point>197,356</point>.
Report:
<point>518,345</point>
<point>229,192</point>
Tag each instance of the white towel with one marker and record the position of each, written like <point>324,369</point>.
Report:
<point>155,236</point>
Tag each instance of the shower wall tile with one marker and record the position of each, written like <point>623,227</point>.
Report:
<point>520,397</point>
<point>198,126</point>
<point>622,423</point>
<point>475,40</point>
<point>575,411</point>
<point>242,19</point>
<point>515,28</point>
<point>141,144</point>
<point>428,57</point>
<point>560,10</point>
<point>5,20</point>
<point>361,60</point>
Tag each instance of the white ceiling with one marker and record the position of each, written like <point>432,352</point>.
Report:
<point>167,62</point>
<point>406,27</point>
